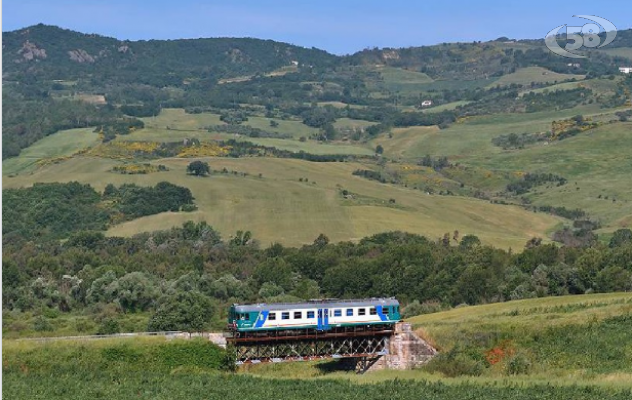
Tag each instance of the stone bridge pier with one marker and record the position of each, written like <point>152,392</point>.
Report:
<point>406,350</point>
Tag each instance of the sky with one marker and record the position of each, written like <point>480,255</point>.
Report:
<point>340,27</point>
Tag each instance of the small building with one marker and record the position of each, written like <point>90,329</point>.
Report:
<point>574,65</point>
<point>426,103</point>
<point>625,70</point>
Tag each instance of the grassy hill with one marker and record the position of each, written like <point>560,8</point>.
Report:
<point>572,338</point>
<point>526,76</point>
<point>594,161</point>
<point>52,148</point>
<point>306,100</point>
<point>279,207</point>
<point>557,341</point>
<point>567,347</point>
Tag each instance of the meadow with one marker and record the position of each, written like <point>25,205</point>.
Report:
<point>578,347</point>
<point>525,76</point>
<point>596,162</point>
<point>174,125</point>
<point>294,201</point>
<point>62,144</point>
<point>565,341</point>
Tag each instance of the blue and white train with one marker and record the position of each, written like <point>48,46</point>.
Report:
<point>316,315</point>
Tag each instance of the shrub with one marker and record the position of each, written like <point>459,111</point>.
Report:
<point>41,324</point>
<point>455,363</point>
<point>518,364</point>
<point>109,326</point>
<point>427,307</point>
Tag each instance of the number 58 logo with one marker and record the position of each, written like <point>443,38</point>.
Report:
<point>589,36</point>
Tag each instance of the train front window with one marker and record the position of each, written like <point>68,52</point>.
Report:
<point>285,315</point>
<point>272,316</point>
<point>372,311</point>
<point>298,315</point>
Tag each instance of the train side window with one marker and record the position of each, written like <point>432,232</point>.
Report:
<point>337,313</point>
<point>247,316</point>
<point>272,316</point>
<point>361,311</point>
<point>349,312</point>
<point>285,315</point>
<point>372,311</point>
<point>310,314</point>
<point>298,315</point>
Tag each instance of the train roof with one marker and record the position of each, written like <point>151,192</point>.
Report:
<point>326,303</point>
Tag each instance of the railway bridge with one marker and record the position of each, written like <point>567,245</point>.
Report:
<point>395,348</point>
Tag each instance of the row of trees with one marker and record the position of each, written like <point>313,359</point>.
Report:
<point>185,277</point>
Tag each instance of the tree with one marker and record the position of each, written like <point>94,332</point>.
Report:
<point>134,291</point>
<point>469,241</point>
<point>189,311</point>
<point>198,168</point>
<point>321,241</point>
<point>621,237</point>
<point>379,149</point>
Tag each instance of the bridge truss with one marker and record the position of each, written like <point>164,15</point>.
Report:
<point>366,346</point>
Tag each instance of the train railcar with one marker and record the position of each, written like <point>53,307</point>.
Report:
<point>317,315</point>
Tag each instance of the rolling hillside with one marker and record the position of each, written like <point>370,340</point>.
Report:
<point>308,103</point>
<point>561,341</point>
<point>279,208</point>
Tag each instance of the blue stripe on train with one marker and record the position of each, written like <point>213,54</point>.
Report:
<point>262,319</point>
<point>380,313</point>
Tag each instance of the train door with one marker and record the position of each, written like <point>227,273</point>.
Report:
<point>323,319</point>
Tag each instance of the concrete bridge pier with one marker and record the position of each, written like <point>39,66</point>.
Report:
<point>406,350</point>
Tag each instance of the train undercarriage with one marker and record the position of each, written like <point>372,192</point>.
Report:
<point>234,336</point>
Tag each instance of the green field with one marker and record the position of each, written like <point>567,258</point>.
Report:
<point>152,368</point>
<point>620,51</point>
<point>409,82</point>
<point>448,106</point>
<point>174,125</point>
<point>600,86</point>
<point>525,76</point>
<point>279,208</point>
<point>60,144</point>
<point>596,160</point>
<point>575,347</point>
<point>568,340</point>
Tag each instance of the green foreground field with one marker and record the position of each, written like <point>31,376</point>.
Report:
<point>578,347</point>
<point>563,341</point>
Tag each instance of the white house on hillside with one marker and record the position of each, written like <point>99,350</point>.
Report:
<point>625,70</point>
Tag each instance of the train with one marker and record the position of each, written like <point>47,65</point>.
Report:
<point>312,316</point>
